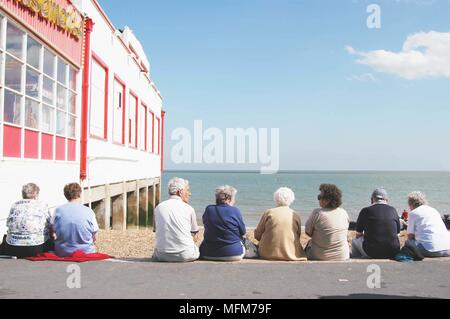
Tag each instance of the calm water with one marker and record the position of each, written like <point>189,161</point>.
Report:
<point>255,191</point>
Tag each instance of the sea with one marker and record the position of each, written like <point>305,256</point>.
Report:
<point>255,191</point>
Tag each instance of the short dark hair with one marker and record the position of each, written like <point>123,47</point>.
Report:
<point>332,194</point>
<point>72,191</point>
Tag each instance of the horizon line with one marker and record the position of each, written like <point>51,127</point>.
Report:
<point>305,171</point>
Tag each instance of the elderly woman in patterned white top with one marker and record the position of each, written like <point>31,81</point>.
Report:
<point>29,226</point>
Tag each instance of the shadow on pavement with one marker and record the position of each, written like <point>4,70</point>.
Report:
<point>373,296</point>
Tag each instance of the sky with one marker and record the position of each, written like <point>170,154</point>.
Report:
<point>344,96</point>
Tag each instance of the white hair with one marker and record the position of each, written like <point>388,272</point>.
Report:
<point>284,197</point>
<point>176,185</point>
<point>417,199</point>
<point>225,193</point>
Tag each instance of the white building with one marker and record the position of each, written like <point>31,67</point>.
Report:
<point>77,104</point>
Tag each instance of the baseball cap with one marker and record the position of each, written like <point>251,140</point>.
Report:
<point>380,193</point>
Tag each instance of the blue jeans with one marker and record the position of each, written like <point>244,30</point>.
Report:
<point>426,253</point>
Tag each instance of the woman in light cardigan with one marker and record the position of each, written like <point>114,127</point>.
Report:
<point>280,229</point>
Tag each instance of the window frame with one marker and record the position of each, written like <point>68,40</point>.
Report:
<point>102,64</point>
<point>31,138</point>
<point>136,120</point>
<point>124,109</point>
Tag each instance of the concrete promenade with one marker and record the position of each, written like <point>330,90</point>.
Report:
<point>247,280</point>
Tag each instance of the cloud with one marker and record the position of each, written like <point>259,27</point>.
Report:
<point>366,77</point>
<point>424,55</point>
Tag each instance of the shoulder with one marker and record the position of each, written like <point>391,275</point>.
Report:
<point>342,211</point>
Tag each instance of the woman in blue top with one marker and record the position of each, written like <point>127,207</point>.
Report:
<point>224,228</point>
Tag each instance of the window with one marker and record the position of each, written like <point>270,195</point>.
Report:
<point>31,114</point>
<point>39,99</point>
<point>33,53</point>
<point>14,40</point>
<point>119,112</point>
<point>150,131</point>
<point>13,74</point>
<point>12,108</point>
<point>143,127</point>
<point>157,137</point>
<point>32,83</point>
<point>133,121</point>
<point>99,95</point>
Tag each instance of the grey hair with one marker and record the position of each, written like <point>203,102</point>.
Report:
<point>225,193</point>
<point>417,199</point>
<point>30,191</point>
<point>284,197</point>
<point>176,185</point>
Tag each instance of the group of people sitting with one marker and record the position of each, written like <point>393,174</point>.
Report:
<point>280,229</point>
<point>32,230</point>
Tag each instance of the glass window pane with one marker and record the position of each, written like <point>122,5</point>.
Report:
<point>62,72</point>
<point>32,87</point>
<point>49,63</point>
<point>12,109</point>
<point>72,126</point>
<point>72,103</point>
<point>13,74</point>
<point>47,92</point>
<point>14,40</point>
<point>61,98</point>
<point>60,123</point>
<point>33,52</point>
<point>47,118</point>
<point>73,79</point>
<point>31,114</point>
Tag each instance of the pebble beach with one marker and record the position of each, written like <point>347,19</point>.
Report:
<point>140,243</point>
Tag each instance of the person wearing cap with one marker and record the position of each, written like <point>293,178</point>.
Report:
<point>377,229</point>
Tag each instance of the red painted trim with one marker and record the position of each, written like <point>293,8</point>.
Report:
<point>124,107</point>
<point>153,132</point>
<point>60,149</point>
<point>159,136</point>
<point>89,25</point>
<point>31,147</point>
<point>12,141</point>
<point>136,146</point>
<point>71,150</point>
<point>145,125</point>
<point>99,61</point>
<point>163,114</point>
<point>47,141</point>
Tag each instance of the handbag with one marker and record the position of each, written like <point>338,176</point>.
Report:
<point>251,250</point>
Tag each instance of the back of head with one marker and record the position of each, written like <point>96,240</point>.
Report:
<point>30,191</point>
<point>176,185</point>
<point>72,191</point>
<point>332,194</point>
<point>380,195</point>
<point>284,197</point>
<point>225,194</point>
<point>417,199</point>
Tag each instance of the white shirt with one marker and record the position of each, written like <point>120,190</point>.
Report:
<point>175,221</point>
<point>426,224</point>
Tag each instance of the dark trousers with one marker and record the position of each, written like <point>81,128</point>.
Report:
<point>25,251</point>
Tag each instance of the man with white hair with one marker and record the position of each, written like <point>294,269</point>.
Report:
<point>377,229</point>
<point>176,225</point>
<point>426,229</point>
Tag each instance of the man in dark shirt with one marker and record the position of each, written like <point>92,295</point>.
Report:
<point>377,229</point>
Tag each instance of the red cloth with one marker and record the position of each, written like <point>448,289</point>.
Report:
<point>77,257</point>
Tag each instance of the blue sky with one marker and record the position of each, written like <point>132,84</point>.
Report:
<point>293,65</point>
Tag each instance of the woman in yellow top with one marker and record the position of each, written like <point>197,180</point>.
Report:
<point>280,229</point>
